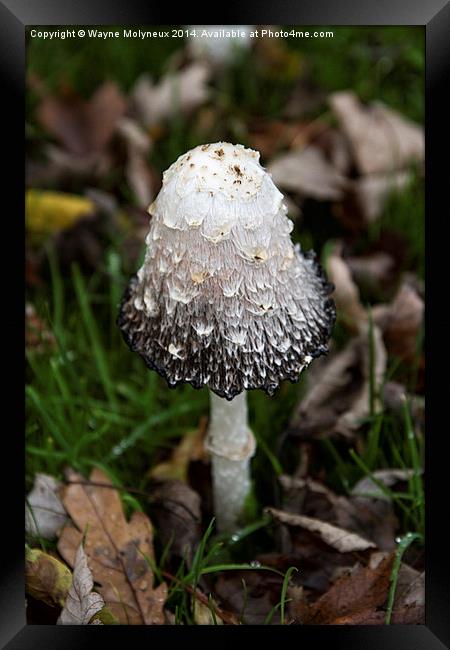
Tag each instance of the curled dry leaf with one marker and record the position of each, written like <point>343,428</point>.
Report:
<point>401,322</point>
<point>382,141</point>
<point>180,91</point>
<point>116,549</point>
<point>82,604</point>
<point>137,171</point>
<point>346,293</point>
<point>338,399</point>
<point>371,518</point>
<point>47,579</point>
<point>388,477</point>
<point>45,514</point>
<point>342,540</point>
<point>307,172</point>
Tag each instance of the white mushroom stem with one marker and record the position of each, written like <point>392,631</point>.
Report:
<point>231,445</point>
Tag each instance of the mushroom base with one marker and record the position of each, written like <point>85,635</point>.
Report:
<point>231,445</point>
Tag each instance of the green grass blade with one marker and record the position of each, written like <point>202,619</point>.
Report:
<point>404,543</point>
<point>98,350</point>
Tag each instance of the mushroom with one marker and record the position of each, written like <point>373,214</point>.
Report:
<point>224,299</point>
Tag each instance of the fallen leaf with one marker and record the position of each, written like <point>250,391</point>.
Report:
<point>180,91</point>
<point>356,593</point>
<point>401,321</point>
<point>116,549</point>
<point>388,477</point>
<point>83,127</point>
<point>307,172</point>
<point>137,170</point>
<point>45,514</point>
<point>190,448</point>
<point>370,192</point>
<point>346,293</point>
<point>82,604</point>
<point>410,592</point>
<point>49,212</point>
<point>370,518</point>
<point>337,398</point>
<point>46,578</point>
<point>381,139</point>
<point>176,510</point>
<point>342,540</point>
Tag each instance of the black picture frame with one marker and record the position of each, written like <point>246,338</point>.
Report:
<point>15,15</point>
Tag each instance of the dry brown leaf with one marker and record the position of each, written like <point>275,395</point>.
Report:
<point>83,127</point>
<point>354,594</point>
<point>45,514</point>
<point>307,172</point>
<point>370,518</point>
<point>346,293</point>
<point>115,548</point>
<point>382,141</point>
<point>180,91</point>
<point>342,540</point>
<point>82,604</point>
<point>401,321</point>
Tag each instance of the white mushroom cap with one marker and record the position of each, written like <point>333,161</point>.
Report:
<point>224,298</point>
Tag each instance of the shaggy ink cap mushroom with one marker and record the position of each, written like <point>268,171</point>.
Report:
<point>224,298</point>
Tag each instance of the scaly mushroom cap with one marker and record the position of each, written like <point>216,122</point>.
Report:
<point>224,298</point>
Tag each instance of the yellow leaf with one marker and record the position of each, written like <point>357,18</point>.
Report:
<point>47,579</point>
<point>48,212</point>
